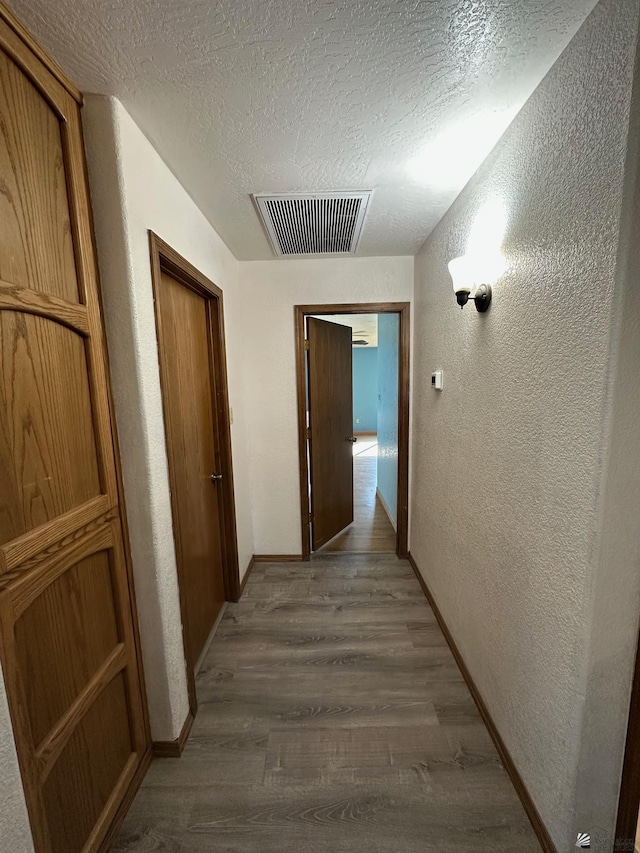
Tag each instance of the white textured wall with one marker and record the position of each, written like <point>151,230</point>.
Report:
<point>611,632</point>
<point>525,517</point>
<point>270,290</point>
<point>15,832</point>
<point>133,191</point>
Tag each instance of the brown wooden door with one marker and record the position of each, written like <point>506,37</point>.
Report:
<point>331,420</point>
<point>188,377</point>
<point>67,628</point>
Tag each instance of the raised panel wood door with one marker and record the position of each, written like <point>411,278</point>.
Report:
<point>67,628</point>
<point>331,419</point>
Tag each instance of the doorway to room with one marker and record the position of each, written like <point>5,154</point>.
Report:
<point>352,365</point>
<point>192,358</point>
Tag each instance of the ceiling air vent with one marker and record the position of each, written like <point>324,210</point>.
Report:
<point>316,224</point>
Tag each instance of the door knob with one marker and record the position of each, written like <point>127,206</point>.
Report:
<point>215,477</point>
<point>352,439</point>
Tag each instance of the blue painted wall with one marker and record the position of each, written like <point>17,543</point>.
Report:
<point>365,388</point>
<point>388,343</point>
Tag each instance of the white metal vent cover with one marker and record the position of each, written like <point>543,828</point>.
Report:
<point>328,223</point>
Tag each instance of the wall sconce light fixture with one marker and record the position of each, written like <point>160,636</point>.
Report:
<point>463,272</point>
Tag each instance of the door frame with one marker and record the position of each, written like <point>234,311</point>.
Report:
<point>629,799</point>
<point>403,309</point>
<point>165,259</point>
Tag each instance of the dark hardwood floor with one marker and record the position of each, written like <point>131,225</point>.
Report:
<point>332,718</point>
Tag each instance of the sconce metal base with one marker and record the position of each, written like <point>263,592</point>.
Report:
<point>482,298</point>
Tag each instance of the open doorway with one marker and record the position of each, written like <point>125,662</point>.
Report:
<point>374,380</point>
<point>352,365</point>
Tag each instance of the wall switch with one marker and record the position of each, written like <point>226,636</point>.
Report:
<point>357,420</point>
<point>437,380</point>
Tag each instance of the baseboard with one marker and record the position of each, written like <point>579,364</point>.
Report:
<point>365,432</point>
<point>277,558</point>
<point>173,748</point>
<point>244,580</point>
<point>505,757</point>
<point>385,507</point>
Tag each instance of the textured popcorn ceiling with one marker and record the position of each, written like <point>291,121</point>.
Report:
<point>257,96</point>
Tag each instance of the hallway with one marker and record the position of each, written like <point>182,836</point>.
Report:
<point>371,531</point>
<point>332,717</point>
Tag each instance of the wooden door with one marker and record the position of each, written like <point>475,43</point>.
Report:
<point>67,629</point>
<point>188,386</point>
<point>331,421</point>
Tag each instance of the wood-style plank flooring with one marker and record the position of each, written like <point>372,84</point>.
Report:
<point>332,718</point>
<point>371,531</point>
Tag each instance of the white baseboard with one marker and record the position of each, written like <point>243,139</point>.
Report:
<point>393,521</point>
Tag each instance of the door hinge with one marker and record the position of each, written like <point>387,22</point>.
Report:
<point>306,345</point>
<point>308,432</point>
<point>310,516</point>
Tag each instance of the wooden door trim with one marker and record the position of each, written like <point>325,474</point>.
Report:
<point>46,538</point>
<point>120,812</point>
<point>45,571</point>
<point>629,799</point>
<point>48,751</point>
<point>165,259</point>
<point>44,305</point>
<point>403,309</point>
<point>32,45</point>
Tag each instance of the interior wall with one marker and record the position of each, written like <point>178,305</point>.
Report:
<point>133,191</point>
<point>611,629</point>
<point>270,290</point>
<point>526,480</point>
<point>388,388</point>
<point>365,388</point>
<point>15,830</point>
